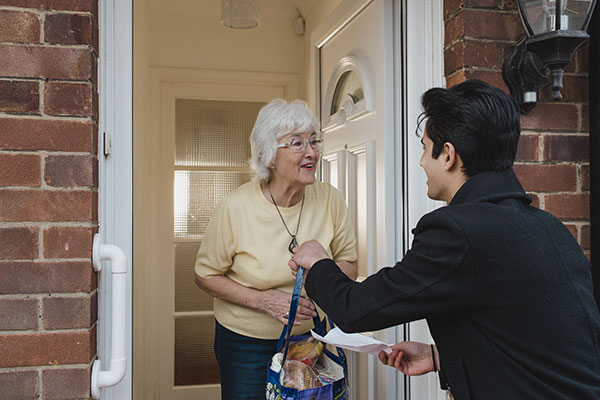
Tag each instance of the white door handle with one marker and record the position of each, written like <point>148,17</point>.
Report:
<point>118,357</point>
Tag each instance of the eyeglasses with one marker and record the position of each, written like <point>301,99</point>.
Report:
<point>300,144</point>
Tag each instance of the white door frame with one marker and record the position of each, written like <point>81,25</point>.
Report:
<point>115,212</point>
<point>423,21</point>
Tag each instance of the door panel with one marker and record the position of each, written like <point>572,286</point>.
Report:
<point>350,136</point>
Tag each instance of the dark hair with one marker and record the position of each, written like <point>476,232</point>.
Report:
<point>480,120</point>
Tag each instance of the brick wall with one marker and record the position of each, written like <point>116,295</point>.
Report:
<point>48,197</point>
<point>552,158</point>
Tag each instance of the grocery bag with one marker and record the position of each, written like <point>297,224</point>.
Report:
<point>295,379</point>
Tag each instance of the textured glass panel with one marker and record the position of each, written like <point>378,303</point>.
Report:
<point>195,362</point>
<point>349,84</point>
<point>188,296</point>
<point>213,133</point>
<point>196,195</point>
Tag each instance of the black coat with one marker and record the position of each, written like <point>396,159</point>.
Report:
<point>505,289</point>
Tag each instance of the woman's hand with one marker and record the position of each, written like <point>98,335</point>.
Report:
<point>410,358</point>
<point>277,304</point>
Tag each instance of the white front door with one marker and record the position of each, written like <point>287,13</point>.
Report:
<point>351,70</point>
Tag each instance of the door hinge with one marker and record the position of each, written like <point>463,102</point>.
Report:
<point>107,140</point>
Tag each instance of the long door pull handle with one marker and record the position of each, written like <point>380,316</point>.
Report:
<point>118,357</point>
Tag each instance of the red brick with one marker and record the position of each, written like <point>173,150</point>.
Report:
<point>535,200</point>
<point>62,98</point>
<point>585,177</point>
<point>20,170</point>
<point>71,171</point>
<point>18,314</point>
<point>59,384</point>
<point>69,312</point>
<point>585,118</point>
<point>469,53</point>
<point>483,24</point>
<point>492,77</point>
<point>67,5</point>
<point>68,242</point>
<point>19,27</point>
<point>68,29</point>
<point>47,206</point>
<point>19,385</point>
<point>528,149</point>
<point>42,134</point>
<point>455,78</point>
<point>585,237</point>
<point>46,277</point>
<point>566,148</point>
<point>451,6</point>
<point>495,4</point>
<point>547,178</point>
<point>579,61</point>
<point>568,206</point>
<point>19,243</point>
<point>45,62</point>
<point>552,116</point>
<point>47,349</point>
<point>575,89</point>
<point>20,97</point>
<point>573,229</point>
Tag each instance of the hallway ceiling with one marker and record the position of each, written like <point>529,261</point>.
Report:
<point>303,6</point>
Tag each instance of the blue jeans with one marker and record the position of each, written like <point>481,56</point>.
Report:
<point>243,363</point>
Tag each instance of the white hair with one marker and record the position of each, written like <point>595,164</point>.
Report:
<point>275,120</point>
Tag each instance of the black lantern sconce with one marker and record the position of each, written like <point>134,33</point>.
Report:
<point>555,30</point>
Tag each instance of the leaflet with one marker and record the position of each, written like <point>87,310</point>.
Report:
<point>353,341</point>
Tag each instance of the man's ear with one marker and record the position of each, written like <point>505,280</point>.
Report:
<point>451,157</point>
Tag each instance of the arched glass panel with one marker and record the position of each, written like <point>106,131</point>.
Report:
<point>348,84</point>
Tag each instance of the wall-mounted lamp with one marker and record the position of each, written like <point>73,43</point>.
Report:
<point>555,29</point>
<point>240,14</point>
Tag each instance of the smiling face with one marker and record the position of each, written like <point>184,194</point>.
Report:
<point>295,168</point>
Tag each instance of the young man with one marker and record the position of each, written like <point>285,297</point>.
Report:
<point>505,288</point>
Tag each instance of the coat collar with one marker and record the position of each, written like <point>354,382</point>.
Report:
<point>491,186</point>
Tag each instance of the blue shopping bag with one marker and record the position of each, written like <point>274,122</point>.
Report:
<point>336,390</point>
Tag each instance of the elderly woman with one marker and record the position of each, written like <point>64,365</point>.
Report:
<point>243,258</point>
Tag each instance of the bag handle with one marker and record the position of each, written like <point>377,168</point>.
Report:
<point>319,328</point>
<point>287,330</point>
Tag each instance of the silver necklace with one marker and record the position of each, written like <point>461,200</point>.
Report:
<point>293,242</point>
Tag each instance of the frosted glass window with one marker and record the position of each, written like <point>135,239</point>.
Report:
<point>196,195</point>
<point>348,84</point>
<point>195,362</point>
<point>213,133</point>
<point>188,297</point>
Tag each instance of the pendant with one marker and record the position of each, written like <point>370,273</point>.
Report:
<point>293,245</point>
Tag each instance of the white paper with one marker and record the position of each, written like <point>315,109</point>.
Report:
<point>353,341</point>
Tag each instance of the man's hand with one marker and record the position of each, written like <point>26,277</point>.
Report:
<point>306,255</point>
<point>410,358</point>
